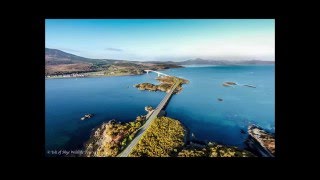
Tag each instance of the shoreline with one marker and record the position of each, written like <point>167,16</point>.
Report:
<point>92,76</point>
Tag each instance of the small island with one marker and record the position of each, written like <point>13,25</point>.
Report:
<point>228,84</point>
<point>148,108</point>
<point>165,85</point>
<point>87,116</point>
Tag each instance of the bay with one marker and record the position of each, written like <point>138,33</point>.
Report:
<point>197,106</point>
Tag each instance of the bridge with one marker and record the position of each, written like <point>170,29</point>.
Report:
<point>159,73</point>
<point>146,125</point>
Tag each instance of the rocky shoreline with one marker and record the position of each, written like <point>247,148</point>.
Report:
<point>166,137</point>
<point>262,141</point>
<point>111,137</point>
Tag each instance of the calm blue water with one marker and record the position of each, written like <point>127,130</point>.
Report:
<point>67,100</point>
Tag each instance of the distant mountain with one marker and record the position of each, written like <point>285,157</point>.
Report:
<point>56,57</point>
<point>162,62</point>
<point>199,61</point>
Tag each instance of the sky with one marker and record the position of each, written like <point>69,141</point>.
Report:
<point>163,39</point>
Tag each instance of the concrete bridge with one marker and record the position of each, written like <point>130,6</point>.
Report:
<point>159,73</point>
<point>152,117</point>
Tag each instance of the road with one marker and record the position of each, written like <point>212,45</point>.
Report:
<point>146,125</point>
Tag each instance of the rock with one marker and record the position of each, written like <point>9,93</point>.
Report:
<point>231,83</point>
<point>219,99</point>
<point>228,84</point>
<point>148,108</point>
<point>262,140</point>
<point>249,86</point>
<point>87,116</point>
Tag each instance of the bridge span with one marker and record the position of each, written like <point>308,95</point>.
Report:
<point>152,117</point>
<point>159,73</point>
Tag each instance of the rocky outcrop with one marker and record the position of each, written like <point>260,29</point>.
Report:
<point>249,86</point>
<point>148,108</point>
<point>111,137</point>
<point>228,84</point>
<point>263,141</point>
<point>102,142</point>
<point>87,116</point>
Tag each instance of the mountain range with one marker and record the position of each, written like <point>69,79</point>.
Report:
<point>59,62</point>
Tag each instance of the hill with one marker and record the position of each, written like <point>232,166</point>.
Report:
<point>58,63</point>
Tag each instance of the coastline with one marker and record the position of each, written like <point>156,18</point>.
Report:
<point>93,76</point>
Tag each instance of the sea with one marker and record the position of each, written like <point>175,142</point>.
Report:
<point>211,111</point>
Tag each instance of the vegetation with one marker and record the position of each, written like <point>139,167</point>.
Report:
<point>193,152</point>
<point>112,137</point>
<point>164,138</point>
<point>166,82</point>
<point>213,150</point>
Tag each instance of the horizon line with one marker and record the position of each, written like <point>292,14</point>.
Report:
<point>186,59</point>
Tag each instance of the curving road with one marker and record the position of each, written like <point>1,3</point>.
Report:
<point>143,128</point>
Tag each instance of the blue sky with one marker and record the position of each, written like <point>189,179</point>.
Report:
<point>164,40</point>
